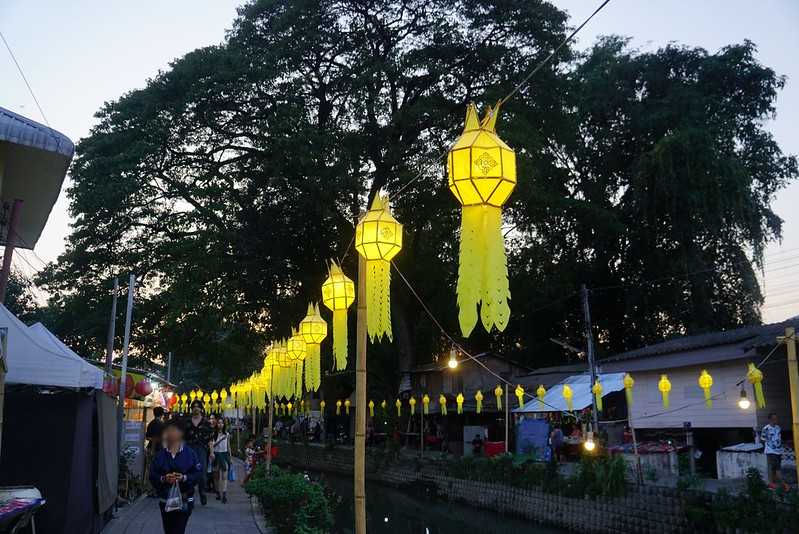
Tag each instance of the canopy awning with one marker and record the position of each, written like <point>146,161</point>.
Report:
<point>581,393</point>
<point>33,163</point>
<point>35,360</point>
<point>91,376</point>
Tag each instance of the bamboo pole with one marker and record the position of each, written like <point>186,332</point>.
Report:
<point>793,377</point>
<point>360,402</point>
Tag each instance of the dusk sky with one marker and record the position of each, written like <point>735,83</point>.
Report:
<point>80,54</point>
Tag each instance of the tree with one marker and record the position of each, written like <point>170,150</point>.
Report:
<point>230,178</point>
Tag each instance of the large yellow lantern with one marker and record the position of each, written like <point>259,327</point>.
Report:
<point>755,377</point>
<point>520,395</point>
<point>596,389</point>
<point>338,294</point>
<point>296,350</point>
<point>706,383</point>
<point>378,238</point>
<point>629,382</point>
<point>481,170</point>
<point>313,330</point>
<point>568,396</point>
<point>664,386</point>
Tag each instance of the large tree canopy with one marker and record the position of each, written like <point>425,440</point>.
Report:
<point>229,180</point>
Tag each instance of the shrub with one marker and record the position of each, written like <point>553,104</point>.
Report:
<point>293,504</point>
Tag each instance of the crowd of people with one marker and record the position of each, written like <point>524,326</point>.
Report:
<point>188,456</point>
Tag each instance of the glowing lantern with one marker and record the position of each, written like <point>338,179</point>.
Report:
<point>568,396</point>
<point>478,397</point>
<point>426,404</point>
<point>378,238</point>
<point>338,294</point>
<point>664,386</point>
<point>706,382</point>
<point>223,394</point>
<point>597,391</point>
<point>519,391</point>
<point>313,330</point>
<point>384,405</point>
<point>192,395</point>
<point>322,405</point>
<point>371,408</point>
<point>482,174</point>
<point>338,407</point>
<point>459,402</point>
<point>498,394</point>
<point>628,388</point>
<point>347,406</point>
<point>214,396</point>
<point>412,402</point>
<point>541,393</point>
<point>183,399</point>
<point>144,388</point>
<point>442,401</point>
<point>398,404</point>
<point>289,407</point>
<point>755,377</point>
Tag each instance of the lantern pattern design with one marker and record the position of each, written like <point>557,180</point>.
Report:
<point>568,396</point>
<point>628,388</point>
<point>481,172</point>
<point>755,377</point>
<point>664,386</point>
<point>706,383</point>
<point>478,397</point>
<point>596,389</point>
<point>313,330</point>
<point>378,238</point>
<point>338,294</point>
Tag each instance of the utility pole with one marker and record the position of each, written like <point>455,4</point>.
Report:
<point>169,367</point>
<point>793,378</point>
<point>112,323</point>
<point>360,402</point>
<point>124,372</point>
<point>589,342</point>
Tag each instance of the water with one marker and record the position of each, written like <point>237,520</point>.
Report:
<point>391,511</point>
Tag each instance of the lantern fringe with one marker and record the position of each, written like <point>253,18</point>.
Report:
<point>378,299</point>
<point>298,380</point>
<point>340,339</point>
<point>313,367</point>
<point>483,270</point>
<point>628,393</point>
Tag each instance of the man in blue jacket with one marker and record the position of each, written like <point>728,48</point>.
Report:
<point>177,464</point>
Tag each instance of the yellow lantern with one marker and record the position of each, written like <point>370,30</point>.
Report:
<point>481,171</point>
<point>426,404</point>
<point>371,408</point>
<point>459,402</point>
<point>706,382</point>
<point>665,387</point>
<point>347,406</point>
<point>519,391</point>
<point>596,389</point>
<point>313,330</point>
<point>384,405</point>
<point>378,238</point>
<point>223,394</point>
<point>412,402</point>
<point>338,294</point>
<point>214,395</point>
<point>628,388</point>
<point>498,394</point>
<point>541,393</point>
<point>322,405</point>
<point>338,407</point>
<point>478,397</point>
<point>568,396</point>
<point>192,395</point>
<point>442,401</point>
<point>290,407</point>
<point>295,347</point>
<point>755,377</point>
<point>398,404</point>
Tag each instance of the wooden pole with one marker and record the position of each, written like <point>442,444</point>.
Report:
<point>589,342</point>
<point>793,377</point>
<point>360,402</point>
<point>112,323</point>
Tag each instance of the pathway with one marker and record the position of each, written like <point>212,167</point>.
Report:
<point>236,516</point>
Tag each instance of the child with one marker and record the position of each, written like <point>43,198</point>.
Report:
<point>249,458</point>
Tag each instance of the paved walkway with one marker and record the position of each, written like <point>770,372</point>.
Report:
<point>236,516</point>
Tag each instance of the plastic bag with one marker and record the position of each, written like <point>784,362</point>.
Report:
<point>174,501</point>
<point>231,474</point>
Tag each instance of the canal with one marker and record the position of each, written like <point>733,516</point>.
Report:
<point>393,511</point>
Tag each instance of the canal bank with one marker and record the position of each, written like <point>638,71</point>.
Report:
<point>643,509</point>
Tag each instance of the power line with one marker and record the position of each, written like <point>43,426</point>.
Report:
<point>24,78</point>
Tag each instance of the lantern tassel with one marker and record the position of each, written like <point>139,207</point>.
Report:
<point>378,299</point>
<point>340,339</point>
<point>313,378</point>
<point>483,270</point>
<point>628,393</point>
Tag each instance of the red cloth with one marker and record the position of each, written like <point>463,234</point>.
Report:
<point>492,448</point>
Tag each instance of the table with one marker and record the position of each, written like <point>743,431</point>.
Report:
<point>17,512</point>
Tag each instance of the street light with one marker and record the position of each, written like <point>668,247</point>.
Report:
<point>743,402</point>
<point>589,444</point>
<point>453,362</point>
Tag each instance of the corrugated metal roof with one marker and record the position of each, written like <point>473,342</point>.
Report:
<point>19,130</point>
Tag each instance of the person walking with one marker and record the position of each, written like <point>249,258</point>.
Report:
<point>153,435</point>
<point>771,436</point>
<point>175,464</point>
<point>198,437</point>
<point>556,442</point>
<point>220,453</point>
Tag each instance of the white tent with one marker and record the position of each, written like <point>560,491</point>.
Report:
<point>581,393</point>
<point>36,356</point>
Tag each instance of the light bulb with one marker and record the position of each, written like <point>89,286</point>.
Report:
<point>589,442</point>
<point>743,402</point>
<point>453,362</point>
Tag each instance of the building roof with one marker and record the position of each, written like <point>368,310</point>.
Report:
<point>442,366</point>
<point>747,337</point>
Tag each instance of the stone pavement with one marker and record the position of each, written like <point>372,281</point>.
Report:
<point>237,516</point>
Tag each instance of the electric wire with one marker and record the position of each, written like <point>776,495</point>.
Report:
<point>24,78</point>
